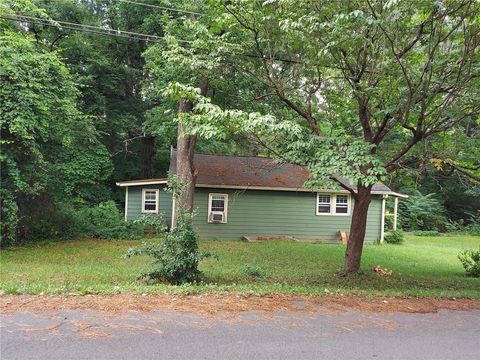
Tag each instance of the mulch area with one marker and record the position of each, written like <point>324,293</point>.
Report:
<point>230,303</point>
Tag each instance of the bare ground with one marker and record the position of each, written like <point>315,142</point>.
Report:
<point>230,303</point>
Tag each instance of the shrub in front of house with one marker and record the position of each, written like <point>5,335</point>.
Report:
<point>470,260</point>
<point>176,258</point>
<point>152,224</point>
<point>394,237</point>
<point>67,221</point>
<point>104,221</point>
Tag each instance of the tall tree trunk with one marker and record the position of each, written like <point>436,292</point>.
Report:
<point>353,255</point>
<point>186,173</point>
<point>148,157</point>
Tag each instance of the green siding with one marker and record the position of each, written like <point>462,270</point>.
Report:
<point>262,212</point>
<point>135,202</point>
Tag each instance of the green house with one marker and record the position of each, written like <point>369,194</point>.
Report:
<point>238,197</point>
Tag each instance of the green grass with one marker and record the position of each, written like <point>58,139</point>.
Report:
<point>423,266</point>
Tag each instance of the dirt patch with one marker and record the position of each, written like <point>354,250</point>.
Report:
<point>230,304</point>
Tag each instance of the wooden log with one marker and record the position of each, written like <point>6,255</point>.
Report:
<point>343,237</point>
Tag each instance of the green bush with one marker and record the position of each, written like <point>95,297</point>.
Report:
<point>426,233</point>
<point>8,218</point>
<point>423,212</point>
<point>473,229</point>
<point>68,222</point>
<point>176,258</point>
<point>394,237</point>
<point>104,221</point>
<point>65,222</point>
<point>155,224</point>
<point>470,260</point>
<point>389,221</point>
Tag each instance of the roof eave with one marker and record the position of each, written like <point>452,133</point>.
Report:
<point>141,182</point>
<point>391,193</point>
<point>251,187</point>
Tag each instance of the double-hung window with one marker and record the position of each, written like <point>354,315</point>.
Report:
<point>323,204</point>
<point>333,204</point>
<point>217,208</point>
<point>150,200</point>
<point>341,204</point>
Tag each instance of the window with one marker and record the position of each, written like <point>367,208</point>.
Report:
<point>341,204</point>
<point>323,204</point>
<point>217,208</point>
<point>333,204</point>
<point>150,200</point>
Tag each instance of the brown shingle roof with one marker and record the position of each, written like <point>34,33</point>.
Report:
<point>249,171</point>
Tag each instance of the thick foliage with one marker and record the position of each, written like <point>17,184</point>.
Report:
<point>49,149</point>
<point>470,260</point>
<point>394,237</point>
<point>473,229</point>
<point>102,221</point>
<point>153,224</point>
<point>9,218</point>
<point>423,212</point>
<point>177,257</point>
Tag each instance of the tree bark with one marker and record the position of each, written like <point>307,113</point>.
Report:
<point>148,157</point>
<point>186,172</point>
<point>353,255</point>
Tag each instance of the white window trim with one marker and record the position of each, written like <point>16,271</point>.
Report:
<point>225,211</point>
<point>157,192</point>
<point>333,204</point>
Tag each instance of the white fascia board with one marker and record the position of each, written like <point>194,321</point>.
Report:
<point>139,183</point>
<point>390,193</point>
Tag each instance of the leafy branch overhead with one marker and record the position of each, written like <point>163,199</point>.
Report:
<point>323,156</point>
<point>344,73</point>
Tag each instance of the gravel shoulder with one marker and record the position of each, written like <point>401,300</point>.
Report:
<point>210,304</point>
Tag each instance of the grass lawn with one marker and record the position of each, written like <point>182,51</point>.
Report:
<point>423,266</point>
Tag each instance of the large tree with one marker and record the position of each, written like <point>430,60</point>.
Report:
<point>190,55</point>
<point>361,84</point>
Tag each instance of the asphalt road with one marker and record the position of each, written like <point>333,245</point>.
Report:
<point>160,335</point>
